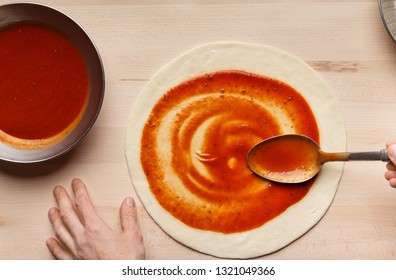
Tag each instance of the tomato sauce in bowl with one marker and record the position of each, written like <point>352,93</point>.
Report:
<point>44,86</point>
<point>53,85</point>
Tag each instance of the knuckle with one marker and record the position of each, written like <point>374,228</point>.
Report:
<point>82,246</point>
<point>92,228</point>
<point>79,200</point>
<point>136,235</point>
<point>64,213</point>
<point>59,233</point>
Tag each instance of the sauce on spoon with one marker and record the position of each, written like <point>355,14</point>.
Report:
<point>294,158</point>
<point>284,159</point>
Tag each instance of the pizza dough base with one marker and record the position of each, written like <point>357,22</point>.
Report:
<point>264,60</point>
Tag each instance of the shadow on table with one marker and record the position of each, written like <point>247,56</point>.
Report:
<point>36,169</point>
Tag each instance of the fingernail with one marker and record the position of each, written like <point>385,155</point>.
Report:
<point>57,189</point>
<point>130,202</point>
<point>49,241</point>
<point>51,211</point>
<point>75,182</point>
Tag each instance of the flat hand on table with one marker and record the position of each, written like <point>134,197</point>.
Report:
<point>82,234</point>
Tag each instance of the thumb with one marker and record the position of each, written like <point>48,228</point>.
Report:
<point>392,153</point>
<point>128,214</point>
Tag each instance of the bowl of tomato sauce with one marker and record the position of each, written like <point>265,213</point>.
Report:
<point>51,83</point>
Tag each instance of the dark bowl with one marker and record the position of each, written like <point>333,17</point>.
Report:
<point>34,13</point>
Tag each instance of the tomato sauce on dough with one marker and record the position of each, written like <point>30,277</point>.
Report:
<point>195,143</point>
<point>43,82</point>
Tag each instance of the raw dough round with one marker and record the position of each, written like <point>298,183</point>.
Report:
<point>270,62</point>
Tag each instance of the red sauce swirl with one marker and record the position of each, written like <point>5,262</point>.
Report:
<point>195,143</point>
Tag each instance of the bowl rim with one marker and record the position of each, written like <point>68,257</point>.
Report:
<point>386,17</point>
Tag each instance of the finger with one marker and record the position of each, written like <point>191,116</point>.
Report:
<point>390,174</point>
<point>61,231</point>
<point>67,213</point>
<point>57,250</point>
<point>392,153</point>
<point>390,166</point>
<point>390,142</point>
<point>130,227</point>
<point>392,182</point>
<point>128,215</point>
<point>84,204</point>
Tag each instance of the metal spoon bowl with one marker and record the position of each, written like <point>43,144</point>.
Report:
<point>294,158</point>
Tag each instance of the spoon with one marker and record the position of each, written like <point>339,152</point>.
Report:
<point>294,158</point>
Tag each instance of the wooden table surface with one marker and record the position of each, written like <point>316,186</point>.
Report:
<point>345,41</point>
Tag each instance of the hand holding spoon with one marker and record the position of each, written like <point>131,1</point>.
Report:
<point>294,158</point>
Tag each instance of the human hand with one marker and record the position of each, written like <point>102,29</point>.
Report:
<point>82,234</point>
<point>390,174</point>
